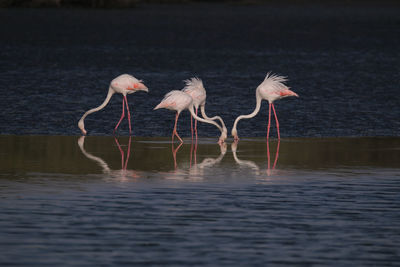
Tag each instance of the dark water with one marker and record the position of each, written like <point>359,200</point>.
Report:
<point>310,199</point>
<point>342,61</point>
<point>101,201</point>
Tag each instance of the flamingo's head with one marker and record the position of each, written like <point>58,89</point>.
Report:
<point>223,137</point>
<point>81,126</point>
<point>135,85</point>
<point>142,87</point>
<point>287,92</point>
<point>224,133</point>
<point>139,86</point>
<point>234,134</point>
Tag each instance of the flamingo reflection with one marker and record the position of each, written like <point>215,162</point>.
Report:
<point>174,151</point>
<point>195,171</point>
<point>121,174</point>
<point>193,151</point>
<point>251,164</point>
<point>276,157</point>
<point>124,164</point>
<point>244,163</point>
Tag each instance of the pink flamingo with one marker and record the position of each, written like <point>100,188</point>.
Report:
<point>179,101</point>
<point>195,88</point>
<point>271,89</point>
<point>124,84</point>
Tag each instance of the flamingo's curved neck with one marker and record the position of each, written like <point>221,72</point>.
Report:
<point>81,123</point>
<point>203,113</point>
<point>251,115</point>
<point>191,110</point>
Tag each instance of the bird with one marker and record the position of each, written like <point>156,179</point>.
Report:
<point>271,89</point>
<point>124,84</point>
<point>178,101</point>
<point>195,88</point>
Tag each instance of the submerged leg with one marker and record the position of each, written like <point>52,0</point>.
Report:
<point>175,132</point>
<point>174,151</point>
<point>128,153</point>
<point>268,160</point>
<point>277,154</point>
<point>269,120</point>
<point>129,115</point>
<point>277,122</point>
<point>122,116</point>
<point>120,151</point>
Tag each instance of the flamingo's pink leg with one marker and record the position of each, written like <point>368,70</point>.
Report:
<point>191,126</point>
<point>269,120</point>
<point>195,124</point>
<point>277,122</point>
<point>268,156</point>
<point>122,116</point>
<point>129,115</point>
<point>175,132</point>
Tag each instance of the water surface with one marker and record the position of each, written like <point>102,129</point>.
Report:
<point>100,200</point>
<point>343,61</point>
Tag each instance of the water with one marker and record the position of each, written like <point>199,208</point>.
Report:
<point>102,201</point>
<point>327,194</point>
<point>342,61</point>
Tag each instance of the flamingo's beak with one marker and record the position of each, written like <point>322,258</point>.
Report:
<point>143,87</point>
<point>138,87</point>
<point>294,94</point>
<point>288,92</point>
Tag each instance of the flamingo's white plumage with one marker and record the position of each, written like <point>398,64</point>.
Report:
<point>271,89</point>
<point>124,84</point>
<point>178,101</point>
<point>195,88</point>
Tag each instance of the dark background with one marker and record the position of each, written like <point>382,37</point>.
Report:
<point>342,59</point>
